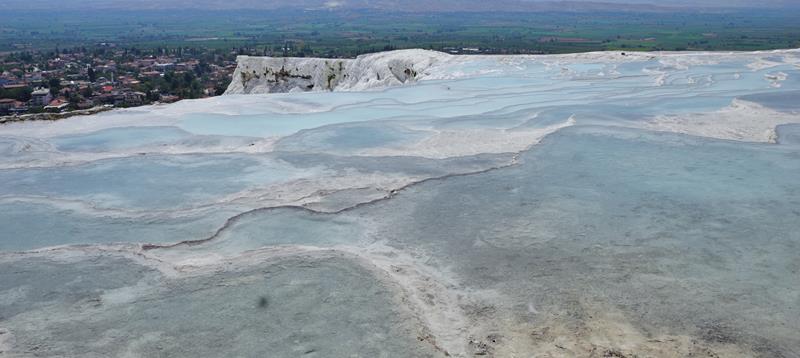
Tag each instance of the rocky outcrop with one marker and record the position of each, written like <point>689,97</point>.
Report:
<point>276,75</point>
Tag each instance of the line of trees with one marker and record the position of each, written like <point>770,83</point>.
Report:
<point>22,94</point>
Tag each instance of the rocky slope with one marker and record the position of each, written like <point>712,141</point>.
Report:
<point>274,75</point>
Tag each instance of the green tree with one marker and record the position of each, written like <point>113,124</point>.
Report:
<point>20,94</point>
<point>55,86</point>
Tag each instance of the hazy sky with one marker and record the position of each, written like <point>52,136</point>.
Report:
<point>412,5</point>
<point>715,3</point>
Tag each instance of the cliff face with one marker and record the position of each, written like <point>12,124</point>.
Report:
<point>255,75</point>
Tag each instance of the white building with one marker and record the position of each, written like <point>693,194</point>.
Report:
<point>41,97</point>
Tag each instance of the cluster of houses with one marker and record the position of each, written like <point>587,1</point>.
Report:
<point>79,80</point>
<point>39,98</point>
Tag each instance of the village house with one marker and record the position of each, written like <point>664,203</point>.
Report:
<point>151,74</point>
<point>41,97</point>
<point>6,78</point>
<point>14,86</point>
<point>6,104</point>
<point>165,67</point>
<point>57,105</point>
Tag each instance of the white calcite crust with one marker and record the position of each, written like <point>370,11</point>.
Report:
<point>415,203</point>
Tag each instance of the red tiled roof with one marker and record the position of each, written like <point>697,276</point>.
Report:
<point>57,102</point>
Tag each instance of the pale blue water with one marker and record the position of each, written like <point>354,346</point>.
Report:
<point>782,101</point>
<point>789,134</point>
<point>262,226</point>
<point>28,226</point>
<point>284,308</point>
<point>119,138</point>
<point>150,181</point>
<point>349,137</point>
<point>663,226</point>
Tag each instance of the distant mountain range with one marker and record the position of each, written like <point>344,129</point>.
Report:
<point>396,5</point>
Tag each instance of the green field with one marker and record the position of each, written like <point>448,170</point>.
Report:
<point>346,34</point>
